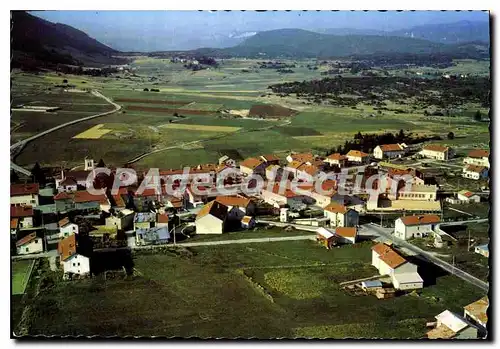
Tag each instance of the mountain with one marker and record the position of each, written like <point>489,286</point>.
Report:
<point>300,43</point>
<point>35,41</point>
<point>448,33</point>
<point>350,31</point>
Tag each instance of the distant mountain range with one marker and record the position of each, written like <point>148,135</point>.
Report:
<point>35,41</point>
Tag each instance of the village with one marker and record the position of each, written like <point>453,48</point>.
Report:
<point>62,221</point>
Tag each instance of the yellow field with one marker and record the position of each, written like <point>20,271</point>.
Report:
<point>95,132</point>
<point>201,127</point>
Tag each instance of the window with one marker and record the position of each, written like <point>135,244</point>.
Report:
<point>74,264</point>
<point>36,241</point>
<point>27,249</point>
<point>78,263</point>
<point>65,234</point>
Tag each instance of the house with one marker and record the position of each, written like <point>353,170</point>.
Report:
<point>72,261</point>
<point>323,196</point>
<point>66,228</point>
<point>476,313</point>
<point>403,274</point>
<point>371,285</point>
<point>23,216</point>
<point>144,220</point>
<point>346,235</point>
<point>253,165</point>
<point>79,176</point>
<point>358,157</point>
<point>270,159</point>
<point>301,157</point>
<point>336,159</point>
<point>388,151</point>
<point>482,250</point>
<point>325,237</point>
<point>81,200</point>
<point>273,172</point>
<point>211,219</point>
<point>31,243</point>
<point>162,220</point>
<point>152,236</point>
<point>248,222</point>
<point>478,157</point>
<point>415,226</point>
<point>452,326</point>
<point>237,206</point>
<point>306,172</point>
<point>68,184</point>
<point>278,196</point>
<point>341,216</point>
<point>122,219</point>
<point>24,194</point>
<point>14,225</point>
<point>421,192</point>
<point>475,172</point>
<point>226,160</point>
<point>466,196</point>
<point>436,151</point>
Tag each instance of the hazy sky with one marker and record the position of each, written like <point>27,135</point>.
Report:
<point>176,30</point>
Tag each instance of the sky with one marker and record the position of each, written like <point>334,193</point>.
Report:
<point>183,30</point>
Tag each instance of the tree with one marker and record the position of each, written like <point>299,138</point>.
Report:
<point>37,174</point>
<point>65,81</point>
<point>146,89</point>
<point>358,135</point>
<point>451,135</point>
<point>101,163</point>
<point>401,135</point>
<point>478,116</point>
<point>13,176</point>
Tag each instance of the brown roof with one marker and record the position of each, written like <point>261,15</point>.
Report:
<point>67,247</point>
<point>63,196</point>
<point>336,156</point>
<point>436,147</point>
<point>347,232</point>
<point>286,191</point>
<point>269,157</point>
<point>441,332</point>
<point>213,208</point>
<point>246,219</point>
<point>392,258</point>
<point>336,208</point>
<point>479,153</point>
<point>233,200</point>
<point>422,219</point>
<point>251,163</point>
<point>302,157</point>
<point>68,181</point>
<point>295,164</point>
<point>381,248</point>
<point>478,309</point>
<point>26,239</point>
<point>357,153</point>
<point>162,218</point>
<point>21,211</point>
<point>391,147</point>
<point>309,169</point>
<point>84,196</point>
<point>474,168</point>
<point>24,189</point>
<point>80,175</point>
<point>63,222</point>
<point>13,223</point>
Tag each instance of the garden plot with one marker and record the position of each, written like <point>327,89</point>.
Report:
<point>94,132</point>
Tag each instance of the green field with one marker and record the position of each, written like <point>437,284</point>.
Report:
<point>20,275</point>
<point>262,290</point>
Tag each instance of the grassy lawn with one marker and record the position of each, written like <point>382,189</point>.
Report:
<point>268,290</point>
<point>20,278</point>
<point>249,234</point>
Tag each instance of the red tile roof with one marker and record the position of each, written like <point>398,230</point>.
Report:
<point>423,219</point>
<point>13,223</point>
<point>302,157</point>
<point>269,157</point>
<point>346,232</point>
<point>233,200</point>
<point>336,156</point>
<point>391,147</point>
<point>21,211</point>
<point>336,208</point>
<point>24,189</point>
<point>213,208</point>
<point>63,222</point>
<point>479,153</point>
<point>84,196</point>
<point>286,192</point>
<point>251,163</point>
<point>474,168</point>
<point>357,153</point>
<point>68,181</point>
<point>392,259</point>
<point>63,196</point>
<point>162,218</point>
<point>436,148</point>
<point>26,239</point>
<point>67,247</point>
<point>381,248</point>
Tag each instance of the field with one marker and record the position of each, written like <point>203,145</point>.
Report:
<point>95,132</point>
<point>20,276</point>
<point>263,290</point>
<point>201,127</point>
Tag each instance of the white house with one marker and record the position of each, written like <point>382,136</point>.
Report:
<point>358,157</point>
<point>237,206</point>
<point>467,196</point>
<point>29,244</point>
<point>403,274</point>
<point>67,185</point>
<point>226,160</point>
<point>277,197</point>
<point>253,165</point>
<point>76,264</point>
<point>346,235</point>
<point>478,157</point>
<point>23,216</point>
<point>436,151</point>
<point>450,325</point>
<point>388,151</point>
<point>211,218</point>
<point>122,219</point>
<point>24,194</point>
<point>415,226</point>
<point>475,172</point>
<point>419,192</point>
<point>301,157</point>
<point>336,159</point>
<point>341,216</point>
<point>66,228</point>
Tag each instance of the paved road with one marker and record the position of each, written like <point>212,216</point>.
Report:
<point>430,257</point>
<point>480,220</point>
<point>281,224</point>
<point>17,147</point>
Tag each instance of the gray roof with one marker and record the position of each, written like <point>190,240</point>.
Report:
<point>145,217</point>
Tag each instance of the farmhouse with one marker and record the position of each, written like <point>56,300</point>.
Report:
<point>211,219</point>
<point>450,325</point>
<point>346,235</point>
<point>336,159</point>
<point>341,216</point>
<point>31,243</point>
<point>415,226</point>
<point>466,196</point>
<point>475,172</point>
<point>72,261</point>
<point>436,151</point>
<point>478,157</point>
<point>253,165</point>
<point>476,312</point>
<point>23,216</point>
<point>66,228</point>
<point>357,156</point>
<point>238,206</point>
<point>388,151</point>
<point>403,274</point>
<point>24,194</point>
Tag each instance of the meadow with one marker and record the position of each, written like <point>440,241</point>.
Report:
<point>263,290</point>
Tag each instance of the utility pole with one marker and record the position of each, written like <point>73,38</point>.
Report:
<point>468,241</point>
<point>174,234</point>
